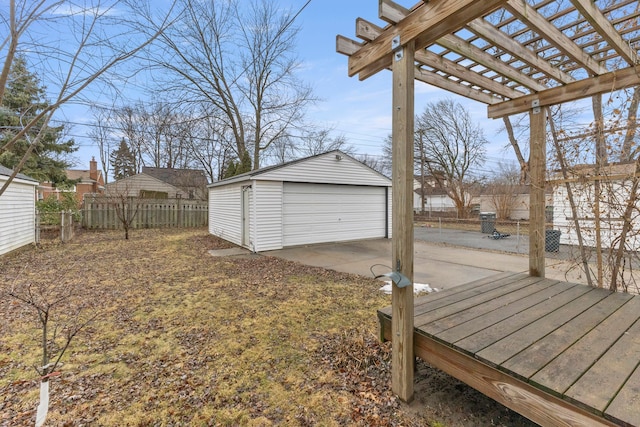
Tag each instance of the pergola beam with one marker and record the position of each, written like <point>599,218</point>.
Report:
<point>605,83</point>
<point>368,31</point>
<point>446,66</point>
<point>539,24</point>
<point>449,85</point>
<point>391,11</point>
<point>424,25</point>
<point>606,29</point>
<point>347,46</point>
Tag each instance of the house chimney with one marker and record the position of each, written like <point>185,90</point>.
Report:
<point>93,169</point>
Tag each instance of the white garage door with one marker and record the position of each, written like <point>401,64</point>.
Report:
<point>316,213</point>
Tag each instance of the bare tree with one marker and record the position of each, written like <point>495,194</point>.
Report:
<point>374,162</point>
<point>71,67</point>
<point>102,135</point>
<point>61,312</point>
<point>504,189</point>
<point>237,58</point>
<point>453,145</point>
<point>317,141</point>
<point>283,150</point>
<point>126,206</point>
<point>208,145</point>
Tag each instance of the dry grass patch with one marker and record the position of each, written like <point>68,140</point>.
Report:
<point>183,338</point>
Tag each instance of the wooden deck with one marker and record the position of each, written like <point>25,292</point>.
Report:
<point>558,353</point>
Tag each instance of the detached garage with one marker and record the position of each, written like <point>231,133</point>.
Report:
<point>17,211</point>
<point>330,197</point>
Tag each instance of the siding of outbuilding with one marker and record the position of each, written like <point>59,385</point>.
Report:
<point>17,215</point>
<point>327,170</point>
<point>610,218</point>
<point>334,172</point>
<point>225,215</point>
<point>267,227</point>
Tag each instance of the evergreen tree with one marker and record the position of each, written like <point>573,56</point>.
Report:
<point>236,168</point>
<point>123,161</point>
<point>24,99</point>
<point>230,170</point>
<point>245,163</point>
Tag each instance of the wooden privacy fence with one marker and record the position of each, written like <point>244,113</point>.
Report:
<point>102,213</point>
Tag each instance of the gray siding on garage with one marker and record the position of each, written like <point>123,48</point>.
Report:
<point>17,215</point>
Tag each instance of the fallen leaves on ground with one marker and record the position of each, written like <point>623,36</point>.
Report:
<point>184,338</point>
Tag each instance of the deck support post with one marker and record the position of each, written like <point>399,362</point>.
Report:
<point>537,171</point>
<point>402,219</point>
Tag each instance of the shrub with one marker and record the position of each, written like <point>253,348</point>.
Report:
<point>50,208</point>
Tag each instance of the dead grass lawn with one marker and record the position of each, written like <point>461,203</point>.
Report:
<point>183,338</point>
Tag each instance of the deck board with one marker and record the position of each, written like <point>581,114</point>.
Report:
<point>608,374</point>
<point>540,353</point>
<point>559,353</point>
<point>505,348</point>
<point>478,299</point>
<point>472,313</point>
<point>463,330</point>
<point>486,337</point>
<point>565,369</point>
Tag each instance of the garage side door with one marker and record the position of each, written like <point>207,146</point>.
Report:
<point>316,213</point>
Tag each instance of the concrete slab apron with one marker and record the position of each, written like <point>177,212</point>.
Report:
<point>439,266</point>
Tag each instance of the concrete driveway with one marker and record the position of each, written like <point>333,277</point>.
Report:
<point>437,265</point>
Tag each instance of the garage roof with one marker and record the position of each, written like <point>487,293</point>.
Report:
<point>303,174</point>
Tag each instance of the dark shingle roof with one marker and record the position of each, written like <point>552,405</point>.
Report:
<point>8,172</point>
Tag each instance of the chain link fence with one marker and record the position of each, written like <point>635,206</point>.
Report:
<point>485,232</point>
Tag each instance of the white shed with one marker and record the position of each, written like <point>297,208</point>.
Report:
<point>330,197</point>
<point>17,211</point>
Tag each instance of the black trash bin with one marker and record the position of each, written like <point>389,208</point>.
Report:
<point>487,222</point>
<point>552,240</point>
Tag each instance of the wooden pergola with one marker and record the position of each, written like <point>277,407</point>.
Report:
<point>516,56</point>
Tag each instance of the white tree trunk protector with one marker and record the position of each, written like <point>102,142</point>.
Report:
<point>43,406</point>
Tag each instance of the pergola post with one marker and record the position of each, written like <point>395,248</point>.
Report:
<point>402,212</point>
<point>537,170</point>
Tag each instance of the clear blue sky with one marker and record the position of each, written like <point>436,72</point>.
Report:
<point>359,110</point>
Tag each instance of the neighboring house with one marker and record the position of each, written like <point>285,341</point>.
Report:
<point>615,185</point>
<point>193,182</point>
<point>325,198</point>
<point>17,211</point>
<point>436,198</point>
<point>89,181</point>
<point>519,202</point>
<point>162,183</point>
